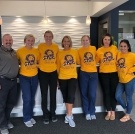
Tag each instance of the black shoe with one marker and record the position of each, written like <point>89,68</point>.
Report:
<point>54,119</point>
<point>46,121</point>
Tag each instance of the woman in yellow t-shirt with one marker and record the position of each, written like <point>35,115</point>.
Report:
<point>28,57</point>
<point>108,77</point>
<point>126,69</point>
<point>88,77</point>
<point>48,76</point>
<point>67,74</point>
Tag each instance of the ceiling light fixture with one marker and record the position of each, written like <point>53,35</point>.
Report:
<point>0,20</point>
<point>88,19</point>
<point>45,17</point>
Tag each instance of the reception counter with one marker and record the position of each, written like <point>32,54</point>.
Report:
<point>17,111</point>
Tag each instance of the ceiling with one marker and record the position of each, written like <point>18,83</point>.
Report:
<point>93,8</point>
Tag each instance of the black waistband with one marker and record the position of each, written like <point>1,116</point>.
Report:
<point>4,77</point>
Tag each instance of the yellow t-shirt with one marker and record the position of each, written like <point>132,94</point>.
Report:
<point>87,59</point>
<point>66,64</point>
<point>106,57</point>
<point>28,61</point>
<point>48,53</point>
<point>125,66</point>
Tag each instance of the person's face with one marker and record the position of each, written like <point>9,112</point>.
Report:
<point>48,38</point>
<point>85,41</point>
<point>7,41</point>
<point>123,47</point>
<point>106,41</point>
<point>30,42</point>
<point>66,43</point>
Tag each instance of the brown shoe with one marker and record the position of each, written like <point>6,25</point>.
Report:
<point>112,117</point>
<point>107,117</point>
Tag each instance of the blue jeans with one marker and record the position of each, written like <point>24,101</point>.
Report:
<point>128,88</point>
<point>88,85</point>
<point>28,86</point>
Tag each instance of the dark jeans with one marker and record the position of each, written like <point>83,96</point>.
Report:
<point>48,79</point>
<point>28,86</point>
<point>68,88</point>
<point>8,98</point>
<point>109,82</point>
<point>88,85</point>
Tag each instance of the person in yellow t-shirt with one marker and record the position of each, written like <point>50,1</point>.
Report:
<point>28,57</point>
<point>126,69</point>
<point>67,74</point>
<point>48,76</point>
<point>108,76</point>
<point>88,77</point>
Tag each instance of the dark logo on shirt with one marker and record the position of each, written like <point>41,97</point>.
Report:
<point>48,55</point>
<point>108,56</point>
<point>121,63</point>
<point>68,60</point>
<point>29,60</point>
<point>88,57</point>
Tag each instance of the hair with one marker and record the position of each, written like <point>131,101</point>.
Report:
<point>128,44</point>
<point>48,31</point>
<point>28,36</point>
<point>85,36</point>
<point>6,35</point>
<point>69,40</point>
<point>109,35</point>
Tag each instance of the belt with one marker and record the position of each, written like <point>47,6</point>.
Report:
<point>4,77</point>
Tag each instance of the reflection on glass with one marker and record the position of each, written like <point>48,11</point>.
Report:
<point>127,27</point>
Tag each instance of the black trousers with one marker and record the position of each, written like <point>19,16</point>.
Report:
<point>109,82</point>
<point>68,88</point>
<point>48,80</point>
<point>8,98</point>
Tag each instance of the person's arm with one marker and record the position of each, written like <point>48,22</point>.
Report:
<point>132,69</point>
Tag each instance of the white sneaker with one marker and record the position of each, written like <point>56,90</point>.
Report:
<point>88,117</point>
<point>4,131</point>
<point>28,124</point>
<point>93,117</point>
<point>33,121</point>
<point>10,125</point>
<point>66,121</point>
<point>70,121</point>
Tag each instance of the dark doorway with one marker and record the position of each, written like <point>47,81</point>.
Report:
<point>102,30</point>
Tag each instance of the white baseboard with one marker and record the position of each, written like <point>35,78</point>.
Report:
<point>17,112</point>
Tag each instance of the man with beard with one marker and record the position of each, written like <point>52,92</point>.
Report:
<point>8,82</point>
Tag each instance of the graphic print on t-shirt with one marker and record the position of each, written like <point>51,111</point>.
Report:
<point>68,60</point>
<point>88,57</point>
<point>121,63</point>
<point>108,56</point>
<point>29,60</point>
<point>48,55</point>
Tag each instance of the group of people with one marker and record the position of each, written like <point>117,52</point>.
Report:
<point>53,67</point>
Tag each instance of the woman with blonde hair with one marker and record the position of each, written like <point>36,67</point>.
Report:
<point>28,57</point>
<point>48,76</point>
<point>88,77</point>
<point>67,60</point>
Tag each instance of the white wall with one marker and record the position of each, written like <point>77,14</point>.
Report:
<point>60,26</point>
